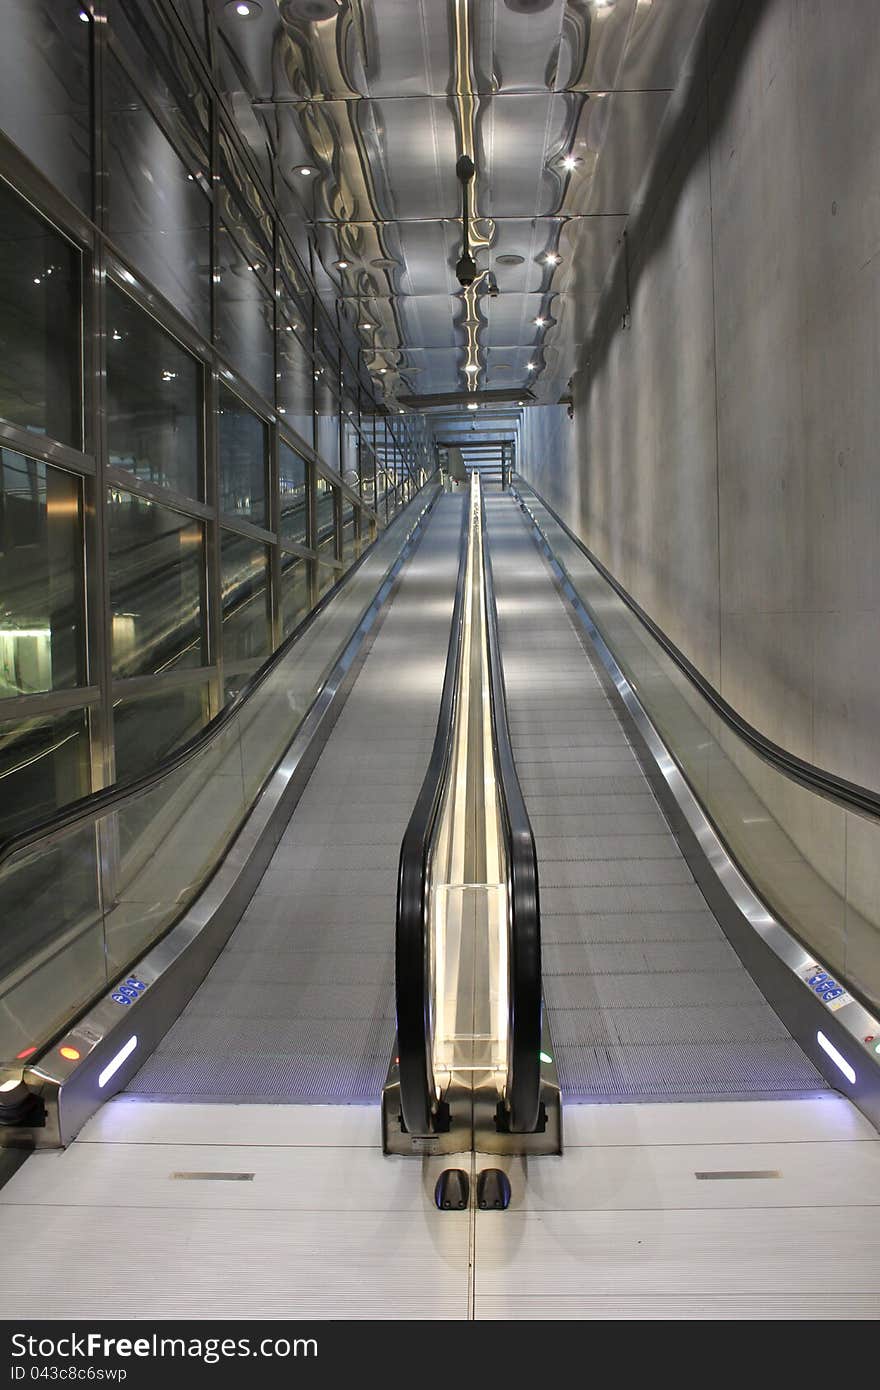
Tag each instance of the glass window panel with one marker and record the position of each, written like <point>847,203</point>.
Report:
<point>153,400</point>
<point>243,580</point>
<point>349,536</point>
<point>44,764</point>
<point>350,437</point>
<point>150,725</point>
<point>158,215</point>
<point>243,444</point>
<point>39,324</point>
<point>294,591</point>
<point>295,379</point>
<point>327,577</point>
<point>156,564</point>
<point>326,415</point>
<point>326,502</point>
<point>41,579</point>
<point>293,479</point>
<point>45,91</point>
<point>245,329</point>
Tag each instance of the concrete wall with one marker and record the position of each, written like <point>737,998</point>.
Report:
<point>723,459</point>
<point>725,445</point>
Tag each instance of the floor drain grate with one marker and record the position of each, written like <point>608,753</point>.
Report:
<point>722,1173</point>
<point>214,1177</point>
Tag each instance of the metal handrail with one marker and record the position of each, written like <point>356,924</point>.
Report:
<point>421,1111</point>
<point>97,804</point>
<point>849,795</point>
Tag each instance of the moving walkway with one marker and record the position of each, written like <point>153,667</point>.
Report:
<point>221,929</point>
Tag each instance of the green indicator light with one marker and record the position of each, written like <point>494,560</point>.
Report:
<point>545,1057</point>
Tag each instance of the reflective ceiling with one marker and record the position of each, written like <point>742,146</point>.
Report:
<point>558,103</point>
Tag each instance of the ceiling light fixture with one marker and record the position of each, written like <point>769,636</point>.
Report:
<point>530,367</point>
<point>569,162</point>
<point>540,323</point>
<point>244,9</point>
<point>472,405</point>
<point>366,326</point>
<point>83,16</point>
<point>342,265</point>
<point>305,169</point>
<point>551,258</point>
<point>472,368</point>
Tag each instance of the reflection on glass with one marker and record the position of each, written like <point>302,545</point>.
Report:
<point>158,215</point>
<point>45,91</point>
<point>243,579</point>
<point>326,503</point>
<point>326,414</point>
<point>155,586</point>
<point>326,578</point>
<point>44,764</point>
<point>295,379</point>
<point>350,451</point>
<point>41,586</point>
<point>147,727</point>
<point>244,315</point>
<point>242,441</point>
<point>153,400</point>
<point>39,324</point>
<point>349,536</point>
<point>294,591</point>
<point>293,478</point>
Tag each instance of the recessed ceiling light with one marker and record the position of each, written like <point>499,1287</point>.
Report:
<point>509,258</point>
<point>83,16</point>
<point>539,322</point>
<point>520,402</point>
<point>341,265</point>
<point>367,325</point>
<point>551,258</point>
<point>472,405</point>
<point>569,162</point>
<point>530,367</point>
<point>305,169</point>
<point>471,367</point>
<point>382,371</point>
<point>244,9</point>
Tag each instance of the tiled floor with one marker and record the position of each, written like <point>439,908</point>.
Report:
<point>322,1225</point>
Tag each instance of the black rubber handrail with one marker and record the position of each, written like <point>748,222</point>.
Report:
<point>421,1111</point>
<point>97,804</point>
<point>525,997</point>
<point>849,795</point>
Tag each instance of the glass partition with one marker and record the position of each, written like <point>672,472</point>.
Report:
<point>81,909</point>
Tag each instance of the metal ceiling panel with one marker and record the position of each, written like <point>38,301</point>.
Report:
<point>377,101</point>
